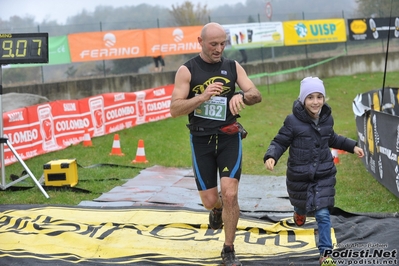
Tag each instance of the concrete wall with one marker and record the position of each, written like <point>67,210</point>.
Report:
<point>344,65</point>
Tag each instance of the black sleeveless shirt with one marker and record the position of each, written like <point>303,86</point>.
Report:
<point>213,114</point>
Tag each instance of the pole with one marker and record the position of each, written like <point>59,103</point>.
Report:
<point>4,140</point>
<point>41,67</point>
<point>386,58</point>
<point>3,181</point>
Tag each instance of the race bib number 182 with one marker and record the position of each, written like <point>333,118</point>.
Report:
<point>214,109</point>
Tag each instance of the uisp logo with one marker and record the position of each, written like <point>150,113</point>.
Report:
<point>301,30</point>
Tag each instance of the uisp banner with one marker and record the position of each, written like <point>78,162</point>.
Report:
<point>303,32</point>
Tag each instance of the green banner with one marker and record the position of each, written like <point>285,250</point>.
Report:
<point>286,71</point>
<point>58,52</point>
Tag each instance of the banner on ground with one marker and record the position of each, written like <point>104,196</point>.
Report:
<point>303,32</point>
<point>361,29</point>
<point>168,236</point>
<point>52,126</point>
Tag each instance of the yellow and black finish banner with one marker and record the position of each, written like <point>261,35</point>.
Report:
<point>53,235</point>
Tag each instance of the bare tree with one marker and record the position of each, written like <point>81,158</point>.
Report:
<point>187,14</point>
<point>381,8</point>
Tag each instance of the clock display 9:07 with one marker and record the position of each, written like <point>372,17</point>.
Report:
<point>23,48</point>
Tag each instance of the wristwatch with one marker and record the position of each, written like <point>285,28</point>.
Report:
<point>242,94</point>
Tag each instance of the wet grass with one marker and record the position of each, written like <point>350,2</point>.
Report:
<point>167,144</point>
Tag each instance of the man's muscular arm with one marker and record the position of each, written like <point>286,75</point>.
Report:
<point>251,93</point>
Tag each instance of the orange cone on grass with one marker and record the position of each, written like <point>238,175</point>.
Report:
<point>86,139</point>
<point>140,154</point>
<point>116,146</point>
<point>334,153</point>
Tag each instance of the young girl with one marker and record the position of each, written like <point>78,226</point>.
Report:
<point>311,171</point>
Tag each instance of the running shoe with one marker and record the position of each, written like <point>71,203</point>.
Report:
<point>215,218</point>
<point>229,257</point>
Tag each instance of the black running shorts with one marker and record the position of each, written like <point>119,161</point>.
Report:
<point>213,154</point>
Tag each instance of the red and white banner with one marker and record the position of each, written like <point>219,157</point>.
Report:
<point>56,125</point>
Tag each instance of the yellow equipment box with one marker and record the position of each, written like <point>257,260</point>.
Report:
<point>63,172</point>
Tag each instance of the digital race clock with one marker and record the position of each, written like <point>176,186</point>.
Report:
<point>23,48</point>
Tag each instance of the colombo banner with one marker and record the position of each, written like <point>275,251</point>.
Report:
<point>58,52</point>
<point>94,46</point>
<point>361,29</point>
<point>253,35</point>
<point>302,32</point>
<point>378,134</point>
<point>171,41</point>
<point>52,126</point>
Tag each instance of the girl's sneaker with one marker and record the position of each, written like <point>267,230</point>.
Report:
<point>326,261</point>
<point>299,219</point>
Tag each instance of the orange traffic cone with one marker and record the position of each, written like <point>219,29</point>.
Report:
<point>334,153</point>
<point>116,146</point>
<point>140,154</point>
<point>86,139</point>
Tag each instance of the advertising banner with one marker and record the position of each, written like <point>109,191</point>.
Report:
<point>56,125</point>
<point>378,131</point>
<point>93,46</point>
<point>254,35</point>
<point>361,29</point>
<point>21,128</point>
<point>172,41</point>
<point>303,32</point>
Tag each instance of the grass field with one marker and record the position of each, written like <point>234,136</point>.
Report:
<point>166,144</point>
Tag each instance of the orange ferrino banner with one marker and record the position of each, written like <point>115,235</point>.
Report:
<point>53,126</point>
<point>171,41</point>
<point>302,32</point>
<point>107,45</point>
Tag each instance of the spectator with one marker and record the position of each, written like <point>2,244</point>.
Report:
<point>159,63</point>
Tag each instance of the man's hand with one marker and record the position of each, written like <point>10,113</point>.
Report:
<point>236,104</point>
<point>214,89</point>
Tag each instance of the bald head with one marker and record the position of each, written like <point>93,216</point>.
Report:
<point>213,41</point>
<point>212,29</point>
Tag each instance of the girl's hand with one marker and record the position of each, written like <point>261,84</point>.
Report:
<point>269,164</point>
<point>359,151</point>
